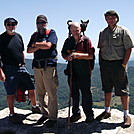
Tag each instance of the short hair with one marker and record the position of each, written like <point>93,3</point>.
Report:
<point>111,13</point>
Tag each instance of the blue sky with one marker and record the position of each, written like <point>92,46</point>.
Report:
<point>59,12</point>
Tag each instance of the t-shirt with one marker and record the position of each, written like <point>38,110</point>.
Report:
<point>11,49</point>
<point>45,54</point>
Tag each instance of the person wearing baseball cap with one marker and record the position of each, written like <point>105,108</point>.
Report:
<point>43,44</point>
<point>12,58</point>
<point>115,45</point>
<point>10,25</point>
<point>42,17</point>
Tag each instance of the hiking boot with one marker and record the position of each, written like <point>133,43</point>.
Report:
<point>127,121</point>
<point>103,115</point>
<point>36,110</point>
<point>50,123</point>
<point>75,117</point>
<point>89,119</point>
<point>15,119</point>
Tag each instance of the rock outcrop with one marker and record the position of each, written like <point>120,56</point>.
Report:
<point>113,125</point>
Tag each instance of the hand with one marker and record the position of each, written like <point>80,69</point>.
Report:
<point>69,58</point>
<point>76,55</point>
<point>124,66</point>
<point>2,76</point>
<point>33,45</point>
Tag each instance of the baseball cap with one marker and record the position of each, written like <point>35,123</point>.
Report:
<point>12,20</point>
<point>112,13</point>
<point>42,17</point>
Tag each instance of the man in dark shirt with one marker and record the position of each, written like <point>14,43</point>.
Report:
<point>78,51</point>
<point>11,58</point>
<point>43,44</point>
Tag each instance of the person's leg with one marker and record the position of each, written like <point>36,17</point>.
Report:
<point>50,80</point>
<point>32,97</point>
<point>75,97</point>
<point>10,101</point>
<point>11,84</point>
<point>108,97</point>
<point>43,99</point>
<point>125,102</point>
<point>120,79</point>
<point>107,86</point>
<point>40,89</point>
<point>84,85</point>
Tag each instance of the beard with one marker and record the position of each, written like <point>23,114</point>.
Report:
<point>11,31</point>
<point>42,30</point>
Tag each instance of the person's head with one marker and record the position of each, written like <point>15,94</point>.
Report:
<point>10,25</point>
<point>111,17</point>
<point>41,23</point>
<point>75,29</point>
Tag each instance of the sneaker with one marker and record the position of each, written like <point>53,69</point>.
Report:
<point>103,115</point>
<point>127,121</point>
<point>50,123</point>
<point>15,119</point>
<point>75,117</point>
<point>36,110</point>
<point>89,119</point>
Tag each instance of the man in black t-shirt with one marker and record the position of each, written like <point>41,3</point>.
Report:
<point>11,59</point>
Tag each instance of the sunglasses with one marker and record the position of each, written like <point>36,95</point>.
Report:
<point>11,24</point>
<point>41,22</point>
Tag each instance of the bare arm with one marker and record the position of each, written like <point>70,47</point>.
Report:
<point>84,56</point>
<point>127,56</point>
<point>39,45</point>
<point>43,45</point>
<point>32,49</point>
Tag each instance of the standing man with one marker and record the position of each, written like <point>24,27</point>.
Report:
<point>115,46</point>
<point>43,44</point>
<point>78,50</point>
<point>11,59</point>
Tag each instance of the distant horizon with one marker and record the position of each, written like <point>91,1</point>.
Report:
<point>64,62</point>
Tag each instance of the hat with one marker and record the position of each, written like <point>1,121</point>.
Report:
<point>112,13</point>
<point>42,17</point>
<point>12,20</point>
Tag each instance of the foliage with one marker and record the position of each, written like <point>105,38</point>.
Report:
<point>63,90</point>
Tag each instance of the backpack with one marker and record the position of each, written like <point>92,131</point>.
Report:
<point>21,96</point>
<point>25,82</point>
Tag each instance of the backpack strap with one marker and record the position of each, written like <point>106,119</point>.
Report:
<point>48,31</point>
<point>91,61</point>
<point>85,43</point>
<point>47,34</point>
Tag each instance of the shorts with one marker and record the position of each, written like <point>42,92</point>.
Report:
<point>114,75</point>
<point>15,80</point>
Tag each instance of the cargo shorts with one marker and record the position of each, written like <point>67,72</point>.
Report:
<point>114,76</point>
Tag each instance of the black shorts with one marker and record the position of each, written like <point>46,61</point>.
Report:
<point>114,76</point>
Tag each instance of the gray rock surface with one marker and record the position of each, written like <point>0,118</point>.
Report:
<point>113,125</point>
